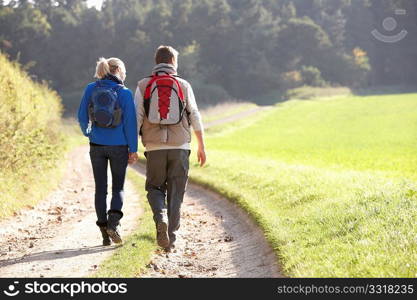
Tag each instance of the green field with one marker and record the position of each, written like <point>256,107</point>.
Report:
<point>332,182</point>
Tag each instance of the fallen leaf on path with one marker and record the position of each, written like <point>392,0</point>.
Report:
<point>228,239</point>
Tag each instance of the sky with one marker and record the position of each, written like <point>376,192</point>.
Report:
<point>96,3</point>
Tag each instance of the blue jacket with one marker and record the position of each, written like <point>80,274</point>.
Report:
<point>124,134</point>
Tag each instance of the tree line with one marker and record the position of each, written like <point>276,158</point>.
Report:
<point>237,49</point>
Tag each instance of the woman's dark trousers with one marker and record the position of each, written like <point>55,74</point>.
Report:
<point>101,156</point>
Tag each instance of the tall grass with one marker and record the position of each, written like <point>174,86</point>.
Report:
<point>30,138</point>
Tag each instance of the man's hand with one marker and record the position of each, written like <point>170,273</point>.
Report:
<point>201,153</point>
<point>201,156</point>
<point>133,157</point>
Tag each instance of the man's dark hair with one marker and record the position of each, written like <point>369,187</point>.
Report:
<point>166,55</point>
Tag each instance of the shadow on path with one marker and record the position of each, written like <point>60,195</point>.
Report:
<point>55,254</point>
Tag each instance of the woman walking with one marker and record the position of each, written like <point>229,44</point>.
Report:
<point>107,117</point>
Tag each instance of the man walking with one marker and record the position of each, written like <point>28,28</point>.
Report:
<point>166,108</point>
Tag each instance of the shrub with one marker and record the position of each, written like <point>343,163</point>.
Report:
<point>30,136</point>
<point>312,76</point>
<point>209,94</point>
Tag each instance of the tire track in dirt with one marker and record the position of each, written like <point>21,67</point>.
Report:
<point>216,239</point>
<point>236,117</point>
<point>59,237</point>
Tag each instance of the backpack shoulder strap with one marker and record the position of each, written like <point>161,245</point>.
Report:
<point>147,94</point>
<point>98,83</point>
<point>118,87</point>
<point>180,92</point>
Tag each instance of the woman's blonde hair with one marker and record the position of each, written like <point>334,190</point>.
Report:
<point>109,66</point>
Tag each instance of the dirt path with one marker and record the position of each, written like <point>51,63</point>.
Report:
<point>58,237</point>
<point>238,116</point>
<point>216,239</point>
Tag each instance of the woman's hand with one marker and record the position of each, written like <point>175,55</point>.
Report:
<point>133,158</point>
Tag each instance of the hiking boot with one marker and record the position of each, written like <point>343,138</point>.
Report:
<point>171,245</point>
<point>113,225</point>
<point>162,234</point>
<point>105,235</point>
<point>172,239</point>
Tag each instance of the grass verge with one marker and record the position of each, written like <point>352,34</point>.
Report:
<point>35,186</point>
<point>31,139</point>
<point>131,259</point>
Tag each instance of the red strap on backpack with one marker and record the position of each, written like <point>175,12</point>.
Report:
<point>156,77</point>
